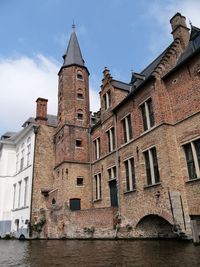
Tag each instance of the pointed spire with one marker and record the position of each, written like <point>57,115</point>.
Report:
<point>73,54</point>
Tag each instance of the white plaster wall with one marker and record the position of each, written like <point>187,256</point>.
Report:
<point>20,209</point>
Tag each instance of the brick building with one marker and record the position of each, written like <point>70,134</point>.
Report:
<point>133,168</point>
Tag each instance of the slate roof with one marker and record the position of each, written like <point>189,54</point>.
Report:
<point>192,48</point>
<point>121,85</point>
<point>8,135</point>
<point>73,54</point>
<point>51,121</point>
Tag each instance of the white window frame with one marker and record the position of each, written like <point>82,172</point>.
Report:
<point>97,148</point>
<point>194,154</point>
<point>130,174</point>
<point>19,193</point>
<point>147,113</point>
<point>14,195</point>
<point>111,137</point>
<point>111,170</point>
<point>97,178</point>
<point>25,191</point>
<point>127,127</point>
<point>151,163</point>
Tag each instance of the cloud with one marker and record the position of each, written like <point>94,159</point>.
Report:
<point>22,81</point>
<point>161,13</point>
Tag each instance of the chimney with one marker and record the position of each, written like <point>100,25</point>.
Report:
<point>179,29</point>
<point>41,111</point>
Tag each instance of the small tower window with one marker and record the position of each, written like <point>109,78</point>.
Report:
<point>80,96</point>
<point>79,181</point>
<point>80,114</point>
<point>79,75</point>
<point>53,202</point>
<point>78,143</point>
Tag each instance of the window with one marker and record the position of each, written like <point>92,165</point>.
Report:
<point>19,195</point>
<point>130,174</point>
<point>127,129</point>
<point>25,191</point>
<point>14,195</point>
<point>111,139</point>
<point>79,75</point>
<point>79,181</point>
<point>22,160</point>
<point>147,114</point>
<point>17,163</point>
<point>97,148</point>
<point>78,143</point>
<point>192,154</point>
<point>75,204</point>
<point>80,115</point>
<point>152,170</point>
<point>107,100</point>
<point>80,96</point>
<point>112,173</point>
<point>97,178</point>
<point>28,154</point>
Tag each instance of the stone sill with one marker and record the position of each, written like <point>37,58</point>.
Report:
<point>22,170</point>
<point>97,200</point>
<point>192,180</point>
<point>129,192</point>
<point>152,185</point>
<point>22,208</point>
<point>111,180</point>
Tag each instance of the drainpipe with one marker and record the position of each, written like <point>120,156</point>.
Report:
<point>117,164</point>
<point>35,128</point>
<point>90,160</point>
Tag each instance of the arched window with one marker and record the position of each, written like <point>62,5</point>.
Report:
<point>53,202</point>
<point>80,114</point>
<point>79,75</point>
<point>80,94</point>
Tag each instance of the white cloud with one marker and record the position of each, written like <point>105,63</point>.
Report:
<point>22,81</point>
<point>162,13</point>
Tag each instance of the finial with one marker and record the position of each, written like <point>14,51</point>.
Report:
<point>73,26</point>
<point>190,23</point>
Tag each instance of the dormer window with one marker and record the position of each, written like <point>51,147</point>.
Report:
<point>79,75</point>
<point>107,100</point>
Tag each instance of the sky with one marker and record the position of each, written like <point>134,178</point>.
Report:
<point>123,35</point>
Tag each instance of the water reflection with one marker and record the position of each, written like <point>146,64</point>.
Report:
<point>98,253</point>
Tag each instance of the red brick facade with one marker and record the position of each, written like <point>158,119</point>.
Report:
<point>134,156</point>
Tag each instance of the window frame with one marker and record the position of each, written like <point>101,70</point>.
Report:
<point>129,165</point>
<point>111,139</point>
<point>147,112</point>
<point>127,128</point>
<point>194,160</point>
<point>98,187</point>
<point>151,165</point>
<point>97,148</point>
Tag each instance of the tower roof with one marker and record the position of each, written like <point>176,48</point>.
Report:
<point>73,54</point>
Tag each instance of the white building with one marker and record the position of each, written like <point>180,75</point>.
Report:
<point>16,171</point>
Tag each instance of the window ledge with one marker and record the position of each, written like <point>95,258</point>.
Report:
<point>148,130</point>
<point>97,200</point>
<point>192,180</point>
<point>152,185</point>
<point>21,208</point>
<point>129,192</point>
<point>111,180</point>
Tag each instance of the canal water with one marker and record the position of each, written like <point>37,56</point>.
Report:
<point>98,253</point>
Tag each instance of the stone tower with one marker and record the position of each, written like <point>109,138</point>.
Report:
<point>72,137</point>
